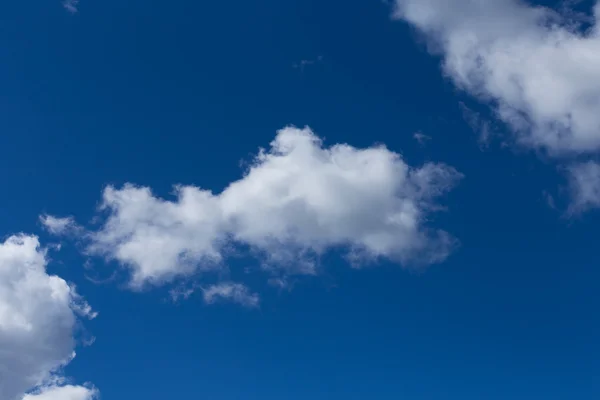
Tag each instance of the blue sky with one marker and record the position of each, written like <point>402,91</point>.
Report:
<point>458,263</point>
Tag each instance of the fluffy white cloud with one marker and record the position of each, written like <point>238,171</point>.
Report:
<point>229,291</point>
<point>161,239</point>
<point>584,183</point>
<point>538,69</point>
<point>58,226</point>
<point>37,318</point>
<point>67,392</point>
<point>297,200</point>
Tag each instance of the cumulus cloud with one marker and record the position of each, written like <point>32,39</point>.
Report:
<point>67,392</point>
<point>38,313</point>
<point>584,184</point>
<point>297,200</point>
<point>538,68</point>
<point>59,226</point>
<point>229,291</point>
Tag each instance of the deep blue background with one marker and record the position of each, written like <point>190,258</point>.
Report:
<point>159,93</point>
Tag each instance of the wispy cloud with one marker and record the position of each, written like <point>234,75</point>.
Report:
<point>182,292</point>
<point>584,185</point>
<point>549,200</point>
<point>71,5</point>
<point>421,138</point>
<point>302,64</point>
<point>233,292</point>
<point>59,225</point>
<point>481,126</point>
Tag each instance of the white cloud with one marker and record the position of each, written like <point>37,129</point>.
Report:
<point>37,318</point>
<point>181,292</point>
<point>297,200</point>
<point>537,68</point>
<point>229,291</point>
<point>584,183</point>
<point>67,392</point>
<point>421,138</point>
<point>160,239</point>
<point>57,225</point>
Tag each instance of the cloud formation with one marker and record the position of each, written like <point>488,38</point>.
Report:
<point>298,200</point>
<point>38,313</point>
<point>537,67</point>
<point>59,226</point>
<point>584,185</point>
<point>67,392</point>
<point>71,5</point>
<point>229,291</point>
<point>421,138</point>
